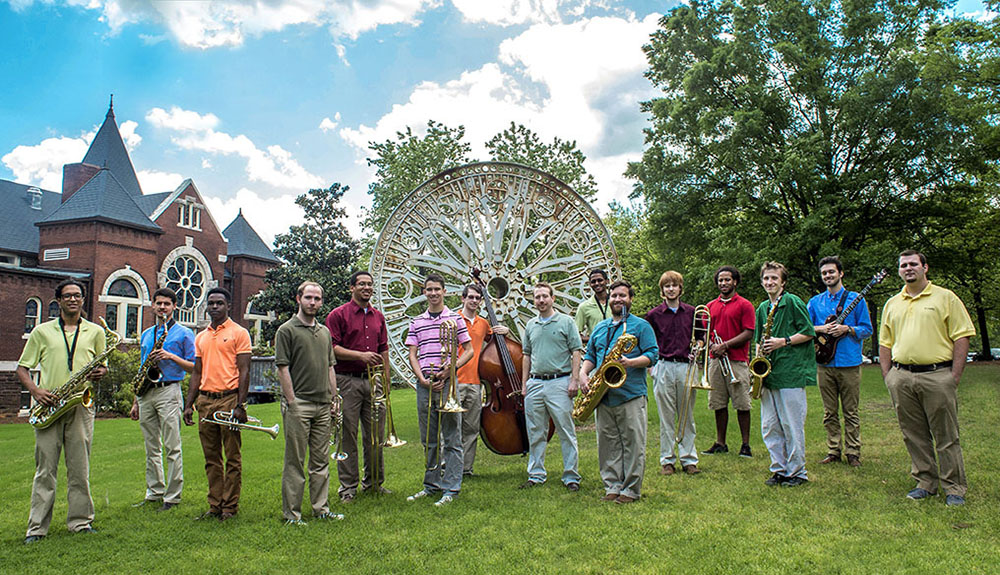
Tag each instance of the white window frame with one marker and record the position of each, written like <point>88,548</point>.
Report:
<point>38,314</point>
<point>255,319</point>
<point>189,214</point>
<point>121,303</point>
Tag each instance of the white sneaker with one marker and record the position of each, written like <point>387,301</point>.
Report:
<point>445,500</point>
<point>418,495</point>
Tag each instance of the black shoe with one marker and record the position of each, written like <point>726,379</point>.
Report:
<point>208,515</point>
<point>776,479</point>
<point>573,486</point>
<point>166,506</point>
<point>33,539</point>
<point>745,450</point>
<point>529,484</point>
<point>717,448</point>
<point>146,502</point>
<point>794,481</point>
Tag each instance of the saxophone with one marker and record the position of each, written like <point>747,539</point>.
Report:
<point>149,371</point>
<point>610,375</point>
<point>760,366</point>
<point>76,391</point>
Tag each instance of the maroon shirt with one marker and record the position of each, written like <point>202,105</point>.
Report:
<point>673,330</point>
<point>357,329</point>
<point>730,319</point>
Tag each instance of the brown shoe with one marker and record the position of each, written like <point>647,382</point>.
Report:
<point>668,469</point>
<point>227,515</point>
<point>830,459</point>
<point>625,499</point>
<point>691,469</point>
<point>854,461</point>
<point>346,498</point>
<point>610,497</point>
<point>529,484</point>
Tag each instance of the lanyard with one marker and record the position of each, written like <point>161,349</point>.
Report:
<point>608,334</point>
<point>70,351</point>
<point>603,308</point>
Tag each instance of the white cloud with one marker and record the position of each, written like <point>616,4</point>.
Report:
<point>130,137</point>
<point>154,182</point>
<point>214,23</point>
<point>327,124</point>
<point>273,165</point>
<point>42,164</point>
<point>580,81</point>
<point>206,164</point>
<point>509,12</point>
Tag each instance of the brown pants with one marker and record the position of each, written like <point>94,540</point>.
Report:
<point>223,483</point>
<point>927,409</point>
<point>841,389</point>
<point>357,408</point>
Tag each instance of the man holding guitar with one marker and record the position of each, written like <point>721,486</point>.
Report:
<point>842,323</point>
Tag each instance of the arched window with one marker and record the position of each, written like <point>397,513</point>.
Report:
<point>53,309</point>
<point>32,308</point>
<point>123,308</point>
<point>187,278</point>
<point>256,317</point>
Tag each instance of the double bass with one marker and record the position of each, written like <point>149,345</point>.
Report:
<point>502,425</point>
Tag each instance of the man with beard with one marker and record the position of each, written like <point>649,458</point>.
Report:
<point>304,357</point>
<point>621,414</point>
<point>733,321</point>
<point>360,340</point>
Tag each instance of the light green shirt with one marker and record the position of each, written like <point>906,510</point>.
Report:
<point>551,344</point>
<point>46,349</point>
<point>590,313</point>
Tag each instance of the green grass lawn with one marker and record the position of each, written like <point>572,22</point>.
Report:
<point>724,520</point>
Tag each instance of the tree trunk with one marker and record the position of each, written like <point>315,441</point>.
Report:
<point>984,334</point>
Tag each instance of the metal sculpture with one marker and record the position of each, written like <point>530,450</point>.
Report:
<point>517,224</point>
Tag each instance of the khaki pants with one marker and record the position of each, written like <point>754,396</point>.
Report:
<point>74,431</point>
<point>472,400</point>
<point>927,409</point>
<point>307,425</point>
<point>357,408</point>
<point>841,389</point>
<point>160,421</point>
<point>621,446</point>
<point>224,482</point>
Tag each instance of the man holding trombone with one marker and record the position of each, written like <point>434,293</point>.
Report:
<point>305,360</point>
<point>673,323</point>
<point>429,344</point>
<point>360,342</point>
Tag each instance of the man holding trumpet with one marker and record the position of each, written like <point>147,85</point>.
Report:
<point>305,360</point>
<point>425,342</point>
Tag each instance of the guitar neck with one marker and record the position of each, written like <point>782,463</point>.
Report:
<point>854,303</point>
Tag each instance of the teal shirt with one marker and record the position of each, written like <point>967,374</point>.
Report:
<point>551,344</point>
<point>792,366</point>
<point>603,339</point>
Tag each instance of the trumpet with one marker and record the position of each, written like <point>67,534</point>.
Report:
<point>724,363</point>
<point>337,441</point>
<point>225,418</point>
<point>701,326</point>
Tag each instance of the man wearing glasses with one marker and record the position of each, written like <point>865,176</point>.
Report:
<point>593,310</point>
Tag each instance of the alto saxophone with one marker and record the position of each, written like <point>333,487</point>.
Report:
<point>760,366</point>
<point>76,391</point>
<point>149,371</point>
<point>610,375</point>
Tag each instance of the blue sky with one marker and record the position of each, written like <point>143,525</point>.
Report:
<point>259,101</point>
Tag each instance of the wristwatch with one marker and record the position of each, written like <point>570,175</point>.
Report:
<point>788,340</point>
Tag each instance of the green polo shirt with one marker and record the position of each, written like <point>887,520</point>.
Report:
<point>551,344</point>
<point>590,313</point>
<point>792,366</point>
<point>308,352</point>
<point>46,349</point>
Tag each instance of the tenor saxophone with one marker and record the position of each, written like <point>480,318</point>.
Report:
<point>76,391</point>
<point>760,366</point>
<point>610,375</point>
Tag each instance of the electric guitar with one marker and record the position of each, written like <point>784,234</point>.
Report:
<point>825,343</point>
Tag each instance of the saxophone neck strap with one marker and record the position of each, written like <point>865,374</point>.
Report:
<point>70,349</point>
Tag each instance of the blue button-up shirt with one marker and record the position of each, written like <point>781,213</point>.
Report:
<point>822,306</point>
<point>604,337</point>
<point>180,342</point>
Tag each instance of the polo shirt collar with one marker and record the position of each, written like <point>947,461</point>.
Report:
<point>298,322</point>
<point>223,325</point>
<point>445,312</point>
<point>927,291</point>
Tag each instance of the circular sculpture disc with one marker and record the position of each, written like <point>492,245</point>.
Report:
<point>515,223</point>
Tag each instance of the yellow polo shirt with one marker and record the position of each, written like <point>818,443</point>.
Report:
<point>46,349</point>
<point>922,330</point>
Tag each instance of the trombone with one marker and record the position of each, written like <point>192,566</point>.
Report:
<point>448,333</point>
<point>226,419</point>
<point>337,440</point>
<point>700,329</point>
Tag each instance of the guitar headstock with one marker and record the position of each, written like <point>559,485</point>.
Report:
<point>881,275</point>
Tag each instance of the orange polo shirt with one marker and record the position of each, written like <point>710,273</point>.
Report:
<point>478,330</point>
<point>217,349</point>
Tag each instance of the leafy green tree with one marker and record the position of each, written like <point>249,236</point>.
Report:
<point>320,250</point>
<point>791,130</point>
<point>560,158</point>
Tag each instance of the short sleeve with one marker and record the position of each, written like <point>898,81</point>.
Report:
<point>463,332</point>
<point>243,344</point>
<point>188,346</point>
<point>32,353</point>
<point>885,335</point>
<point>526,344</point>
<point>282,346</point>
<point>383,335</point>
<point>411,335</point>
<point>573,338</point>
<point>198,351</point>
<point>959,323</point>
<point>801,321</point>
<point>333,325</point>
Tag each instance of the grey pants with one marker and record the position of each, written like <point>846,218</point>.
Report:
<point>621,446</point>
<point>472,401</point>
<point>440,476</point>
<point>307,425</point>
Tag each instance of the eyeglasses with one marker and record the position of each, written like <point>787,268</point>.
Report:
<point>72,296</point>
<point>473,297</point>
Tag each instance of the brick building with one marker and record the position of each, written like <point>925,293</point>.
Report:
<point>122,245</point>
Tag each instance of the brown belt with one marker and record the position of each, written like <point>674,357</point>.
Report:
<point>217,394</point>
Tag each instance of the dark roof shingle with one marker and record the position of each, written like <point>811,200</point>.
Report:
<point>244,241</point>
<point>17,219</point>
<point>108,151</point>
<point>103,198</point>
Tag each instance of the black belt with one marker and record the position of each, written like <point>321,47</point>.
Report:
<point>675,359</point>
<point>922,368</point>
<point>550,376</point>
<point>217,394</point>
<point>359,374</point>
<point>163,384</point>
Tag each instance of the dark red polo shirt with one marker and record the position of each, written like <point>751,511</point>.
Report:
<point>357,329</point>
<point>672,329</point>
<point>730,318</point>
